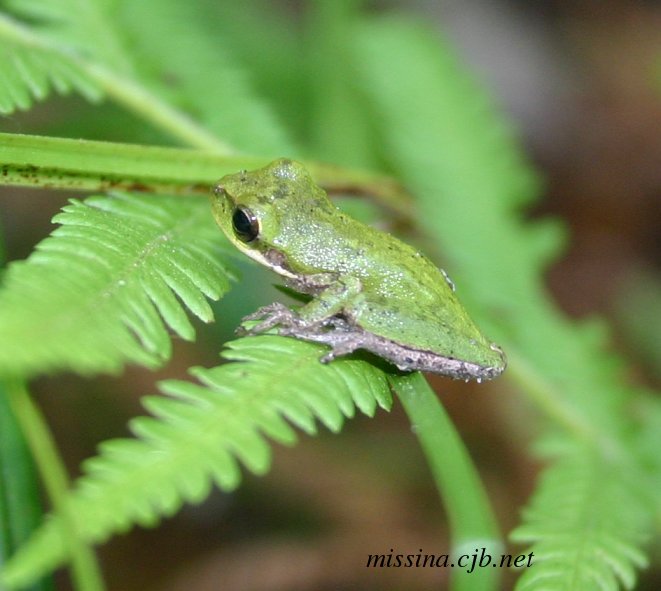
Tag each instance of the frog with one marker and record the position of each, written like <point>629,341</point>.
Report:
<point>365,289</point>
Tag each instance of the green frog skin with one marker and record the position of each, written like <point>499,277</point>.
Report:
<point>368,289</point>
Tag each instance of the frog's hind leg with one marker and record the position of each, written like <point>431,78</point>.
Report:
<point>336,332</point>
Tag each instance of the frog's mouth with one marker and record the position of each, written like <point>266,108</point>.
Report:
<point>271,258</point>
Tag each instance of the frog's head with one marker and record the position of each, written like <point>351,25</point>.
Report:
<point>263,212</point>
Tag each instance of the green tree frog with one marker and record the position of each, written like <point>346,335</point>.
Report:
<point>368,289</point>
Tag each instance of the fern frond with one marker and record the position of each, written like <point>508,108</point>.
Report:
<point>45,49</point>
<point>100,291</point>
<point>87,27</point>
<point>584,521</point>
<point>30,69</point>
<point>198,72</point>
<point>97,47</point>
<point>199,435</point>
<point>452,149</point>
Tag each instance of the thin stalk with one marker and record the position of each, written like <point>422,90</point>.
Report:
<point>85,570</point>
<point>20,504</point>
<point>473,526</point>
<point>83,165</point>
<point>150,107</point>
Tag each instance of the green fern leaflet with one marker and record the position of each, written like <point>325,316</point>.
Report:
<point>199,433</point>
<point>101,290</point>
<point>585,521</point>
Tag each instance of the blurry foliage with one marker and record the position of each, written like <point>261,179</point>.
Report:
<point>20,503</point>
<point>384,92</point>
<point>639,313</point>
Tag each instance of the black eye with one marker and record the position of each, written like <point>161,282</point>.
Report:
<point>245,224</point>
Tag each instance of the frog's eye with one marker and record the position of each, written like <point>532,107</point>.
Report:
<point>245,224</point>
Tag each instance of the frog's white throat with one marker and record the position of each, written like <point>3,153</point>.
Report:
<point>269,262</point>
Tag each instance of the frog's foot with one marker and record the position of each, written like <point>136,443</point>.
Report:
<point>340,348</point>
<point>272,315</point>
<point>335,332</point>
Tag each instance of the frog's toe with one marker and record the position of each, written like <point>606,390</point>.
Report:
<point>249,327</point>
<point>330,356</point>
<point>266,324</point>
<point>276,308</point>
<point>266,318</point>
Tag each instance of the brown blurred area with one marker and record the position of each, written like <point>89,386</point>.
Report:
<point>582,81</point>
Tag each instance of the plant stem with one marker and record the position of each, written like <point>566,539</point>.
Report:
<point>472,523</point>
<point>20,504</point>
<point>85,571</point>
<point>150,107</point>
<point>83,165</point>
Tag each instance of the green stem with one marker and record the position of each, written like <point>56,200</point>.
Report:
<point>150,108</point>
<point>60,163</point>
<point>472,523</point>
<point>20,505</point>
<point>85,570</point>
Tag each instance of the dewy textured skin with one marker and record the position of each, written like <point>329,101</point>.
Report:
<point>368,289</point>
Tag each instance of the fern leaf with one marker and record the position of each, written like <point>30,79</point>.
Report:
<point>449,146</point>
<point>200,74</point>
<point>74,45</point>
<point>87,27</point>
<point>198,435</point>
<point>584,522</point>
<point>30,68</point>
<point>45,49</point>
<point>101,290</point>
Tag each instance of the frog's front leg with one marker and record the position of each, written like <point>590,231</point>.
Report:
<point>308,319</point>
<point>272,315</point>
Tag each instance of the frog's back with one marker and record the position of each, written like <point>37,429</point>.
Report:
<point>404,299</point>
<point>411,302</point>
<point>388,268</point>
